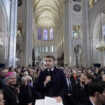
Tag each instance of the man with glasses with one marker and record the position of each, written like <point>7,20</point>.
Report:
<point>9,91</point>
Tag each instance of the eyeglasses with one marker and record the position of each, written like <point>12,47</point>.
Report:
<point>12,78</point>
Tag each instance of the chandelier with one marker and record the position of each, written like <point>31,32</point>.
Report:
<point>100,46</point>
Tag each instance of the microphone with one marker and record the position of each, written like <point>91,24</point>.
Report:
<point>48,77</point>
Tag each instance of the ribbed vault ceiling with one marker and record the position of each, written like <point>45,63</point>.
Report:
<point>47,12</point>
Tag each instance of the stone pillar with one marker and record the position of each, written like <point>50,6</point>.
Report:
<point>86,36</point>
<point>13,32</point>
<point>68,51</point>
<point>28,32</point>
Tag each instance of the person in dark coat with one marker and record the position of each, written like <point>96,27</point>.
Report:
<point>87,102</point>
<point>9,91</point>
<point>51,81</point>
<point>96,91</point>
<point>80,90</point>
<point>25,94</point>
<point>68,100</point>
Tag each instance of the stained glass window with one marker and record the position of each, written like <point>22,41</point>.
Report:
<point>45,34</point>
<point>77,31</point>
<point>39,33</point>
<point>46,49</point>
<point>103,30</point>
<point>51,34</point>
<point>51,48</point>
<point>92,2</point>
<point>38,49</point>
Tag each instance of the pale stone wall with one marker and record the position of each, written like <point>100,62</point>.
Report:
<point>94,25</point>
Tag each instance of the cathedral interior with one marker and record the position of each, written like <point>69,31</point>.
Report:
<point>73,31</point>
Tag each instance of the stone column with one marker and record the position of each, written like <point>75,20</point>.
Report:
<point>68,51</point>
<point>86,36</point>
<point>13,32</point>
<point>28,32</point>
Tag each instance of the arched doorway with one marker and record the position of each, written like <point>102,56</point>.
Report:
<point>98,45</point>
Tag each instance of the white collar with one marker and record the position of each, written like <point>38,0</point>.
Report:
<point>51,69</point>
<point>91,101</point>
<point>82,86</point>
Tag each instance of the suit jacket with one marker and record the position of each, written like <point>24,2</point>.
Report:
<point>57,86</point>
<point>68,100</point>
<point>70,86</point>
<point>79,93</point>
<point>25,95</point>
<point>87,102</point>
<point>10,96</point>
<point>2,83</point>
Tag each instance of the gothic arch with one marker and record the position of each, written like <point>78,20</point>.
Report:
<point>94,20</point>
<point>94,33</point>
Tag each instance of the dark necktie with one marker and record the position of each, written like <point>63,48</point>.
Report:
<point>50,72</point>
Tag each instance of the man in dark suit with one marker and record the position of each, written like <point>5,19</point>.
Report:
<point>68,100</point>
<point>78,90</point>
<point>96,91</point>
<point>87,102</point>
<point>51,81</point>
